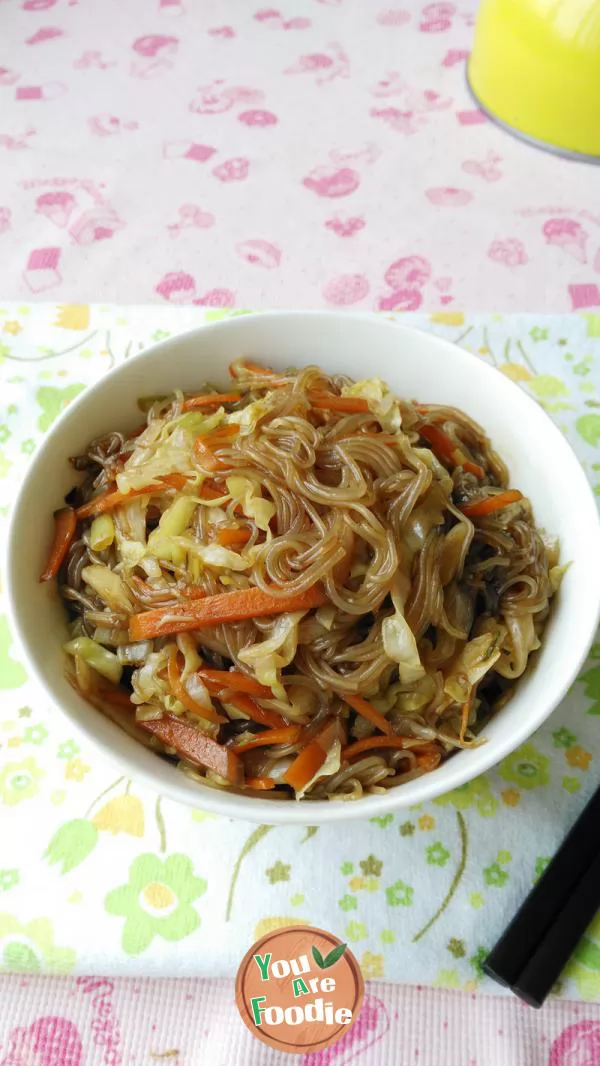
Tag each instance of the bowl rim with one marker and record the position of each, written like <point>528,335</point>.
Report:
<point>232,805</point>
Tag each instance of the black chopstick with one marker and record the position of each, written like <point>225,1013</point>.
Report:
<point>508,961</point>
<point>557,946</point>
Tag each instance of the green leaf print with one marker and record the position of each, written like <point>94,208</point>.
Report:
<point>71,844</point>
<point>588,427</point>
<point>52,401</point>
<point>12,674</point>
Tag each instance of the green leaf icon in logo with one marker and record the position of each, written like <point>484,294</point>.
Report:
<point>329,960</point>
<point>316,954</point>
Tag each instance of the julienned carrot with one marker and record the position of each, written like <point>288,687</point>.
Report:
<point>479,508</point>
<point>428,760</point>
<point>65,525</point>
<point>248,706</point>
<point>235,680</point>
<point>328,401</point>
<point>364,708</point>
<point>261,784</point>
<point>369,743</point>
<point>251,368</point>
<point>116,697</point>
<point>210,399</point>
<point>224,607</point>
<point>287,734</point>
<point>196,748</point>
<point>209,492</point>
<point>192,592</point>
<point>180,692</point>
<point>446,449</point>
<point>312,757</point>
<point>305,766</point>
<point>204,447</point>
<point>232,537</point>
<point>107,501</point>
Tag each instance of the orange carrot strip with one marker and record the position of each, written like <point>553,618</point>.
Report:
<point>107,501</point>
<point>214,610</point>
<point>248,706</point>
<point>479,508</point>
<point>305,766</point>
<point>287,734</point>
<point>235,680</point>
<point>474,468</point>
<point>211,399</point>
<point>365,709</point>
<point>260,784</point>
<point>326,401</point>
<point>180,692</point>
<point>196,748</point>
<point>192,592</point>
<point>429,760</point>
<point>209,492</point>
<point>65,525</point>
<point>206,456</point>
<point>445,449</point>
<point>204,446</point>
<point>310,760</point>
<point>441,444</point>
<point>252,368</point>
<point>230,537</point>
<point>359,746</point>
<point>116,697</point>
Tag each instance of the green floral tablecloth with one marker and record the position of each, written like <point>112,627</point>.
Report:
<point>99,876</point>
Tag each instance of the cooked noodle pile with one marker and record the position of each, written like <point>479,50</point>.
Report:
<point>304,588</point>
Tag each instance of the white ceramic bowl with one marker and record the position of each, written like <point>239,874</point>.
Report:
<point>416,365</point>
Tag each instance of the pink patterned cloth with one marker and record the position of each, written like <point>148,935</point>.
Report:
<point>306,154</point>
<point>94,1021</point>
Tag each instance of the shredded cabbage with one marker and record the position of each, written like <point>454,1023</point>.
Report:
<point>381,400</point>
<point>214,555</point>
<point>400,645</point>
<point>556,575</point>
<point>248,494</point>
<point>101,660</point>
<point>145,682</point>
<point>476,658</point>
<point>274,653</point>
<point>172,453</point>
<point>102,532</point>
<point>109,586</point>
<point>248,417</point>
<point>325,616</point>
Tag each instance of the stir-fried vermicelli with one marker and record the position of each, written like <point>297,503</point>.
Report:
<point>304,587</point>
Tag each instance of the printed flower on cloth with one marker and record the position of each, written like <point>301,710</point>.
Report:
<point>526,767</point>
<point>19,781</point>
<point>157,901</point>
<point>30,947</point>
